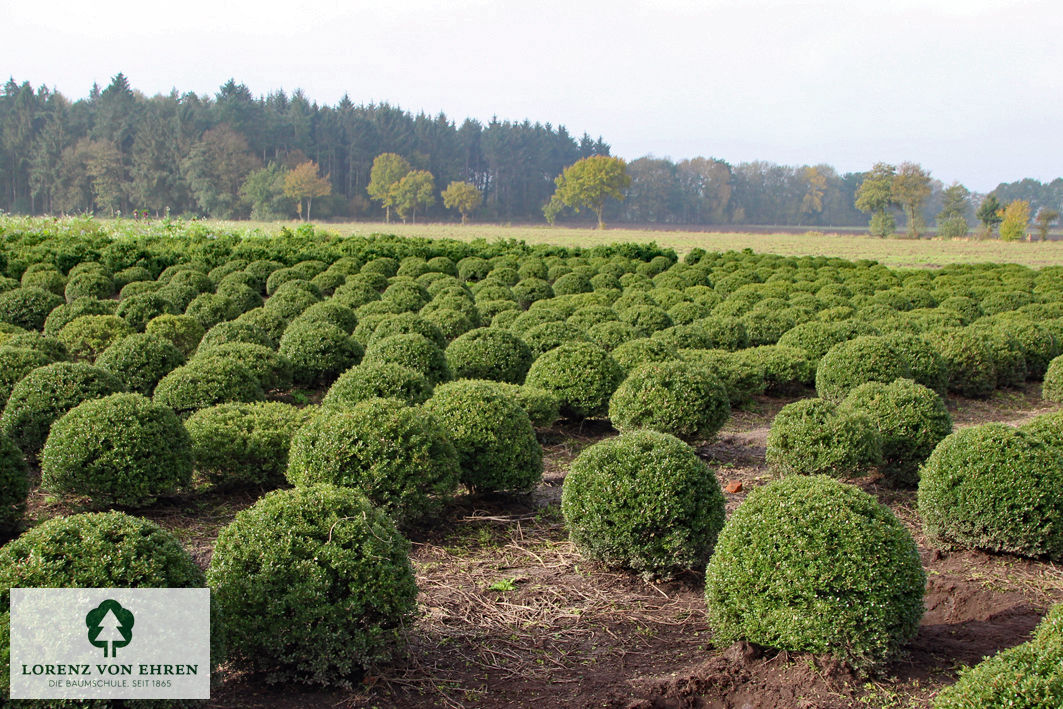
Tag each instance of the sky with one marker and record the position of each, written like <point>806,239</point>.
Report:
<point>970,89</point>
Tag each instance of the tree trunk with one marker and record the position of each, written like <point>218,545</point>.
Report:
<point>387,214</point>
<point>464,218</point>
<point>308,201</point>
<point>598,210</point>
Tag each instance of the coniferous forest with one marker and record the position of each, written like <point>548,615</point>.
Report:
<point>226,156</point>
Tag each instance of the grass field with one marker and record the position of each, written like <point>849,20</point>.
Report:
<point>892,252</point>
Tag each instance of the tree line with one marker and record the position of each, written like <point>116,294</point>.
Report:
<point>234,155</point>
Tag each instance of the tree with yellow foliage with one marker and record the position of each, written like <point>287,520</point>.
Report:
<point>303,182</point>
<point>1016,217</point>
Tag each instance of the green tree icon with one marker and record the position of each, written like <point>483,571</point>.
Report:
<point>110,624</point>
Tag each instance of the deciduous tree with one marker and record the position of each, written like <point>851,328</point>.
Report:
<point>1014,220</point>
<point>1045,217</point>
<point>416,189</point>
<point>952,219</point>
<point>303,182</point>
<point>264,191</point>
<point>588,183</point>
<point>388,169</point>
<point>462,196</point>
<point>875,196</point>
<point>911,187</point>
<point>989,213</point>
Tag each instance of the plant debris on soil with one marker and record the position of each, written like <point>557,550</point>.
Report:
<point>510,614</point>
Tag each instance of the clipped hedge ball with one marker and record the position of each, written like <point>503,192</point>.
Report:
<point>969,361</point>
<point>643,501</point>
<point>318,352</point>
<point>183,331</point>
<point>413,351</point>
<point>542,407</point>
<point>583,376</point>
<point>86,336</point>
<point>810,564</point>
<point>27,307</point>
<point>273,370</point>
<point>15,363</point>
<point>326,566</point>
<point>864,359</point>
<point>121,450</point>
<point>1052,388</point>
<point>911,420</point>
<point>245,444</point>
<point>392,453</point>
<point>140,360</point>
<point>139,310</point>
<point>489,353</point>
<point>995,488</point>
<point>207,382</point>
<point>494,438</point>
<point>383,380</point>
<point>45,394</point>
<point>680,398</point>
<point>234,331</point>
<point>82,306</point>
<point>817,437</point>
<point>14,487</point>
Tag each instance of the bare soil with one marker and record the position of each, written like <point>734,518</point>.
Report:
<point>510,614</point>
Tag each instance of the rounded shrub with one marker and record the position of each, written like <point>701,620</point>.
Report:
<point>121,450</point>
<point>82,306</point>
<point>406,324</point>
<point>45,394</point>
<point>271,324</point>
<point>381,380</point>
<point>679,398</point>
<point>138,310</point>
<point>392,453</point>
<point>326,566</point>
<point>207,382</point>
<point>413,351</point>
<point>27,307</point>
<point>969,361</point>
<point>489,353</point>
<point>542,407</point>
<point>784,369</point>
<point>47,277</point>
<point>14,487</point>
<point>233,331</point>
<point>210,309</point>
<point>810,564</point>
<point>140,360</point>
<point>643,501</point>
<point>742,377</point>
<point>817,437</point>
<point>817,337</point>
<point>88,284</point>
<point>85,337</point>
<point>612,333</point>
<point>1052,388</point>
<point>331,313</point>
<point>995,488</point>
<point>910,419</point>
<point>318,352</point>
<point>926,364</point>
<point>494,438</point>
<point>243,296</point>
<point>183,331</point>
<point>583,376</point>
<point>290,301</point>
<point>643,350</point>
<point>15,363</point>
<point>50,347</point>
<point>272,370</point>
<point>549,335</point>
<point>245,444</point>
<point>849,364</point>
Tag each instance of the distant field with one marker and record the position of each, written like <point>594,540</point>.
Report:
<point>892,252</point>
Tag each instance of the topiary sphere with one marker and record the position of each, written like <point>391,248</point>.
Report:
<point>549,335</point>
<point>969,360</point>
<point>995,488</point>
<point>27,307</point>
<point>784,369</point>
<point>120,450</point>
<point>331,313</point>
<point>243,296</point>
<point>496,443</point>
<point>210,309</point>
<point>1052,388</point>
<point>326,566</point>
<point>47,277</point>
<point>14,487</point>
<point>138,310</point>
<point>183,331</point>
<point>816,437</point>
<point>542,407</point>
<point>272,325</point>
<point>233,331</point>
<point>810,564</point>
<point>489,353</point>
<point>1028,675</point>
<point>82,306</point>
<point>85,337</point>
<point>273,370</point>
<point>926,364</point>
<point>88,284</point>
<point>291,300</point>
<point>382,380</point>
<point>864,359</point>
<point>318,352</point>
<point>911,420</point>
<point>405,324</point>
<point>392,453</point>
<point>45,394</point>
<point>413,351</point>
<point>679,398</point>
<point>643,501</point>
<point>207,382</point>
<point>140,360</point>
<point>245,444</point>
<point>817,337</point>
<point>612,333</point>
<point>647,319</point>
<point>15,363</point>
<point>452,323</point>
<point>67,552</point>
<point>742,377</point>
<point>583,377</point>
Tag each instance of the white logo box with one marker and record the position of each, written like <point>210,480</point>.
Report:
<point>147,643</point>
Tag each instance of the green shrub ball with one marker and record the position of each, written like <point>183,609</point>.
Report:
<point>15,363</point>
<point>414,351</point>
<point>911,420</point>
<point>315,584</point>
<point>139,361</point>
<point>120,450</point>
<point>27,307</point>
<point>245,444</point>
<point>489,353</point>
<point>643,501</point>
<point>383,380</point>
<point>995,488</point>
<point>318,352</point>
<point>1052,388</point>
<point>206,382</point>
<point>493,435</point>
<point>810,564</point>
<point>817,437</point>
<point>864,359</point>
<point>680,398</point>
<point>45,394</point>
<point>392,453</point>
<point>14,486</point>
<point>583,376</point>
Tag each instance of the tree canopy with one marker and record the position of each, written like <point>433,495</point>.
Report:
<point>587,183</point>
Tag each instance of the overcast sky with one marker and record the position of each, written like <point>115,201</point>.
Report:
<point>971,89</point>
